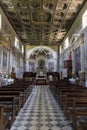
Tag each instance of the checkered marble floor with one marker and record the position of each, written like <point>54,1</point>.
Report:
<point>41,112</point>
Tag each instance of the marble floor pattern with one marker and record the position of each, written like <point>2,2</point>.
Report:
<point>41,112</point>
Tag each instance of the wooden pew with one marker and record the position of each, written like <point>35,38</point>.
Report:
<point>1,117</point>
<point>83,125</point>
<point>75,102</point>
<point>11,98</point>
<point>9,106</point>
<point>64,91</point>
<point>74,106</point>
<point>79,111</point>
<point>17,96</point>
<point>23,91</point>
<point>56,86</point>
<point>27,87</point>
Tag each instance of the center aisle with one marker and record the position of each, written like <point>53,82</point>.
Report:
<point>41,112</point>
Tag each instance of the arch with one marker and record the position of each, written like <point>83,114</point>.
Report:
<point>44,53</point>
<point>31,51</point>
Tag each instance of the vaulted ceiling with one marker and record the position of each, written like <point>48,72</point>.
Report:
<point>41,21</point>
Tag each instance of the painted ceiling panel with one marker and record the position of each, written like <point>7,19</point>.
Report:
<point>41,21</point>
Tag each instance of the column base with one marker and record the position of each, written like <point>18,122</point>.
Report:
<point>82,78</point>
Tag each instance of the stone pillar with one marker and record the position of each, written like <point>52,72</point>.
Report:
<point>58,59</point>
<point>82,72</point>
<point>85,56</point>
<point>73,62</point>
<point>82,60</point>
<point>82,56</point>
<point>24,58</point>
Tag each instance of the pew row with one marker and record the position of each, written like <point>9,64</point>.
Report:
<point>12,99</point>
<point>73,101</point>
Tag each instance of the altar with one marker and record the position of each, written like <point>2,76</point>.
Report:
<point>41,80</point>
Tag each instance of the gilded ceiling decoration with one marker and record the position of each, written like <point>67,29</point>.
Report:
<point>41,21</point>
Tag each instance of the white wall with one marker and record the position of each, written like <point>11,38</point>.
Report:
<point>76,29</point>
<point>14,55</point>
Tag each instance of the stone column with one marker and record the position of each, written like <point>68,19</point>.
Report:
<point>82,73</point>
<point>73,62</point>
<point>58,59</point>
<point>24,58</point>
<point>85,56</point>
<point>82,56</point>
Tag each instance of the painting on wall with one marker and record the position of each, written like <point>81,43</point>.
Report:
<point>4,59</point>
<point>77,59</point>
<point>85,50</point>
<point>31,66</point>
<point>50,66</point>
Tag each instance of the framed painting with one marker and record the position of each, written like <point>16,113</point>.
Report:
<point>77,59</point>
<point>51,66</point>
<point>31,66</point>
<point>4,59</point>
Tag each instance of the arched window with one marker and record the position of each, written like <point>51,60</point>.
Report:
<point>16,43</point>
<point>60,49</point>
<point>0,21</point>
<point>66,43</point>
<point>22,49</point>
<point>84,19</point>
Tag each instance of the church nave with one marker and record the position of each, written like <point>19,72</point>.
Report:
<point>41,112</point>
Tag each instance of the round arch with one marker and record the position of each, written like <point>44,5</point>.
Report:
<point>44,53</point>
<point>31,51</point>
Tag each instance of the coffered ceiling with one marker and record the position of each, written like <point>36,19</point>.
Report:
<point>41,21</point>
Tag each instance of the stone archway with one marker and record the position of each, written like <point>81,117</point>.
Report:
<point>42,56</point>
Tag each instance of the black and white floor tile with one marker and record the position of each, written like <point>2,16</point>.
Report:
<point>41,112</point>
